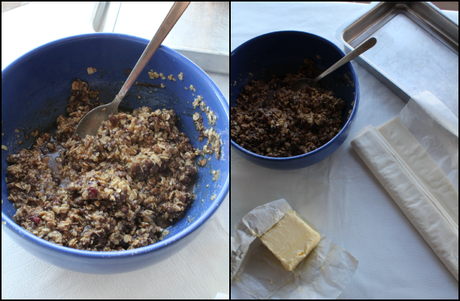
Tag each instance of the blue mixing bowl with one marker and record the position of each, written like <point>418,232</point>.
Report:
<point>279,53</point>
<point>35,91</point>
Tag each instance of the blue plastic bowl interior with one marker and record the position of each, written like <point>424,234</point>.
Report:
<point>283,52</point>
<point>35,90</point>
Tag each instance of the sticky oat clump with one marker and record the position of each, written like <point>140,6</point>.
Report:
<point>114,191</point>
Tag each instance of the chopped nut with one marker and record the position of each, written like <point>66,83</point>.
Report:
<point>153,75</point>
<point>216,174</point>
<point>91,70</point>
<point>34,133</point>
<point>202,162</point>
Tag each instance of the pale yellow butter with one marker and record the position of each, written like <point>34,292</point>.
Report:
<point>291,240</point>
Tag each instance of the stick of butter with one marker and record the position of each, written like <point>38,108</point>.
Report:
<point>291,240</point>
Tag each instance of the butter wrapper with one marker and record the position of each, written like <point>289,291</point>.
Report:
<point>257,273</point>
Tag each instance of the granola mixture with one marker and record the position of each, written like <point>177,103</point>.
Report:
<point>114,191</point>
<point>271,120</point>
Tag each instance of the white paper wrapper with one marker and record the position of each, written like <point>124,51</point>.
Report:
<point>257,273</point>
<point>415,158</point>
<point>435,127</point>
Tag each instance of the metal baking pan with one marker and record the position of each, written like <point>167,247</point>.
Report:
<point>416,50</point>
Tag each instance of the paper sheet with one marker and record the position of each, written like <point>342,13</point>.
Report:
<point>412,177</point>
<point>257,273</point>
<point>434,125</point>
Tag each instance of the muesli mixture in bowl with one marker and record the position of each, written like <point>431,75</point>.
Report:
<point>115,191</point>
<point>272,120</point>
<point>36,89</point>
<point>275,127</point>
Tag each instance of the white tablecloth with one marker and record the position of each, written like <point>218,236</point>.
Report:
<point>201,269</point>
<point>339,195</point>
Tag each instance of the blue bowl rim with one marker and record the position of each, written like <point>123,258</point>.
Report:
<point>143,250</point>
<point>347,124</point>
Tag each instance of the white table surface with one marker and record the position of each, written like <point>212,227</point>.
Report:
<point>201,269</point>
<point>339,195</point>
